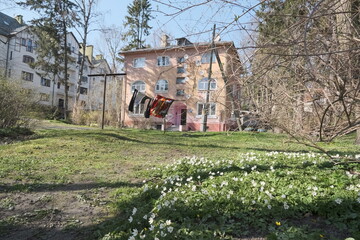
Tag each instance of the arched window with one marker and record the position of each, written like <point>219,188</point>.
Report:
<point>206,58</point>
<point>161,86</point>
<point>139,85</point>
<point>203,84</point>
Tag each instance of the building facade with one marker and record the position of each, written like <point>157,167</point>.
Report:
<point>180,72</point>
<point>18,49</point>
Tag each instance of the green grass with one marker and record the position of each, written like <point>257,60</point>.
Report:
<point>124,158</point>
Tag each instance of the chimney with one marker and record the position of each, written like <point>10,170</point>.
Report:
<point>89,52</point>
<point>19,19</point>
<point>164,41</point>
<point>99,57</point>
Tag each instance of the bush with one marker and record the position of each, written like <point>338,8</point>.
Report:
<point>15,104</point>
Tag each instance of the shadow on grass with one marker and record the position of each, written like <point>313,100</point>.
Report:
<point>200,219</point>
<point>41,187</point>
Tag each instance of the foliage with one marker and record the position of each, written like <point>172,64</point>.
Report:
<point>305,73</point>
<point>137,21</point>
<point>15,104</point>
<point>51,29</point>
<point>285,195</point>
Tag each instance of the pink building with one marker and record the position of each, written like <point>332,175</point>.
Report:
<point>181,72</point>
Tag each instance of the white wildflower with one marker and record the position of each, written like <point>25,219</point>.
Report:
<point>269,206</point>
<point>170,229</point>
<point>130,219</point>
<point>168,222</point>
<point>135,232</point>
<point>338,201</point>
<point>134,211</point>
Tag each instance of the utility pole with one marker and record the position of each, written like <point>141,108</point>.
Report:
<point>104,95</point>
<point>205,109</point>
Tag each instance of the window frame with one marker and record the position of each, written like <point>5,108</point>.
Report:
<point>180,92</point>
<point>83,90</point>
<point>180,80</point>
<point>205,58</point>
<point>140,89</point>
<point>27,76</point>
<point>45,82</point>
<point>204,82</point>
<point>139,109</point>
<point>162,85</point>
<point>212,109</point>
<point>139,64</point>
<point>28,59</point>
<point>163,61</point>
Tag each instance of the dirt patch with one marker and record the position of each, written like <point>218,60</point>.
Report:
<point>62,213</point>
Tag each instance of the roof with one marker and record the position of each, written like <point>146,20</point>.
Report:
<point>171,47</point>
<point>9,25</point>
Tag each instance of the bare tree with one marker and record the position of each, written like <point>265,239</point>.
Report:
<point>86,18</point>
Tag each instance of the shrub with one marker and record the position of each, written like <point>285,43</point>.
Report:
<point>15,104</point>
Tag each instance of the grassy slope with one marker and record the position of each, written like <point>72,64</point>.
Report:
<point>113,156</point>
<point>61,156</point>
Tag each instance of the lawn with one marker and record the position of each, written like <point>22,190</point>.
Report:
<point>177,185</point>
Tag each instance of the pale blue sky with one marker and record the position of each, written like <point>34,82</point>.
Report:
<point>195,23</point>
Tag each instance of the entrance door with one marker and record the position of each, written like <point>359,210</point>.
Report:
<point>183,117</point>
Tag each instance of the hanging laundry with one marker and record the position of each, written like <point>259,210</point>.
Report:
<point>147,109</point>
<point>160,106</point>
<point>131,104</point>
<point>137,98</point>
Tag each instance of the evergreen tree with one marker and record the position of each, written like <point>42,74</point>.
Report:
<point>137,22</point>
<point>52,29</point>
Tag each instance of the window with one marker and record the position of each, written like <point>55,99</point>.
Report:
<point>163,61</point>
<point>139,109</point>
<point>84,79</point>
<point>61,103</point>
<point>11,55</point>
<point>181,59</point>
<point>139,85</point>
<point>203,84</point>
<point>28,59</point>
<point>27,76</point>
<point>45,82</point>
<point>139,62</point>
<point>58,85</point>
<point>44,97</point>
<point>211,109</point>
<point>206,58</point>
<point>23,42</point>
<point>83,90</point>
<point>29,46</point>
<point>180,92</point>
<point>161,86</point>
<point>180,80</point>
<point>180,70</point>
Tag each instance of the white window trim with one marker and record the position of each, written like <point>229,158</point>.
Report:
<point>163,65</point>
<point>138,113</point>
<point>167,84</point>
<point>142,65</point>
<point>212,81</point>
<point>209,115</point>
<point>140,90</point>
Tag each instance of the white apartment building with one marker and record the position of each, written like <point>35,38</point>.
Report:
<point>18,49</point>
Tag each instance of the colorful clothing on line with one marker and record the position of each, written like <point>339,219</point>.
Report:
<point>160,106</point>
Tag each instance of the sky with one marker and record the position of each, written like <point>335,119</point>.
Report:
<point>195,23</point>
